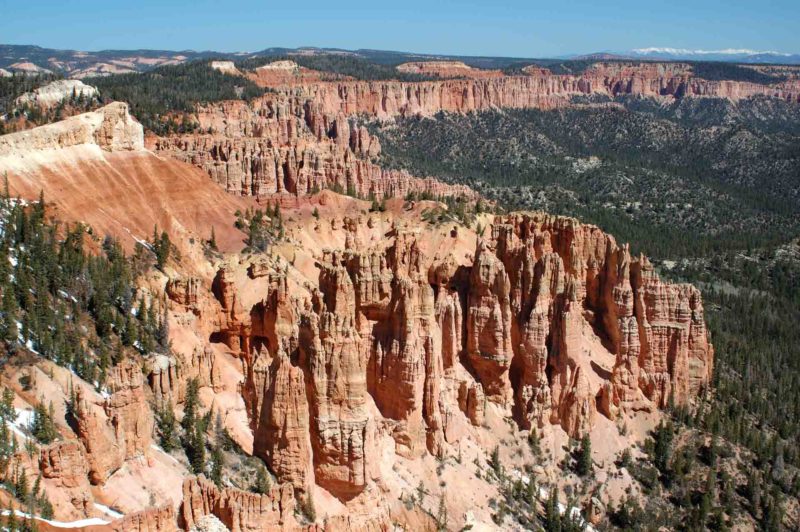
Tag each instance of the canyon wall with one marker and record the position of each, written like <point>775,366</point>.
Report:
<point>551,320</point>
<point>538,89</point>
<point>301,138</point>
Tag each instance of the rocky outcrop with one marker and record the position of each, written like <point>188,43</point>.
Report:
<point>104,453</point>
<point>551,320</point>
<point>280,418</point>
<point>238,510</point>
<point>63,466</point>
<point>539,89</point>
<point>56,92</point>
<point>568,280</point>
<point>255,166</point>
<point>111,128</point>
<point>285,72</point>
<point>302,138</point>
<point>158,519</point>
<point>128,409</point>
<point>65,463</point>
<point>184,290</point>
<point>226,67</point>
<point>446,69</point>
<point>489,323</point>
<point>118,428</point>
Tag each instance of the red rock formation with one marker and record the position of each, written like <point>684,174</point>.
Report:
<point>489,324</point>
<point>539,89</point>
<point>257,166</point>
<point>299,140</point>
<point>166,379</point>
<point>239,510</point>
<point>104,453</point>
<point>341,429</point>
<point>159,519</point>
<point>566,280</point>
<point>184,291</point>
<point>128,409</point>
<point>65,462</point>
<point>280,418</point>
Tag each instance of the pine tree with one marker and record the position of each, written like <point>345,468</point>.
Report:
<point>585,456</point>
<point>441,514</point>
<point>217,463</point>
<point>10,310</point>
<point>552,516</point>
<point>662,449</point>
<point>167,426</point>
<point>196,450</point>
<point>494,461</point>
<point>164,246</point>
<point>21,485</point>
<point>190,405</point>
<point>43,427</point>
<point>212,242</point>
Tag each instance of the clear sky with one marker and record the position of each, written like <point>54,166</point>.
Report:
<point>525,28</point>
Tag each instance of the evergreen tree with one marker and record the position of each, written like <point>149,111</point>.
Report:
<point>584,467</point>
<point>21,485</point>
<point>167,426</point>
<point>662,449</point>
<point>217,464</point>
<point>190,405</point>
<point>552,516</point>
<point>494,461</point>
<point>212,242</point>
<point>43,427</point>
<point>441,514</point>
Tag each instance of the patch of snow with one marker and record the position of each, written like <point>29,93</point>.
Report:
<point>93,521</point>
<point>165,453</point>
<point>108,511</point>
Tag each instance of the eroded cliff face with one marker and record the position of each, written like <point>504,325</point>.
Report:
<point>304,137</point>
<point>550,320</point>
<point>286,145</point>
<point>539,89</point>
<point>238,510</point>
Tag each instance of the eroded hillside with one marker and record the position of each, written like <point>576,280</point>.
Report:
<point>308,339</point>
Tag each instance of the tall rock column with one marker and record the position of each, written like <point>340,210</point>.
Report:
<point>342,431</point>
<point>489,324</point>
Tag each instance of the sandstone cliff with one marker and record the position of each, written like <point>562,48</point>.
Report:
<point>238,510</point>
<point>550,320</point>
<point>304,137</point>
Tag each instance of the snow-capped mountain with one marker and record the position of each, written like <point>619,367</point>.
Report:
<point>735,55</point>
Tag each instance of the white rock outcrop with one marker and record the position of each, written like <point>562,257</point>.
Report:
<point>108,129</point>
<point>56,92</point>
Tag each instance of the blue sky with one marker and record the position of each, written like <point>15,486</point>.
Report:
<point>514,28</point>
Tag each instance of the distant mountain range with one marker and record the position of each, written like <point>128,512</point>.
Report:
<point>79,64</point>
<point>731,55</point>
